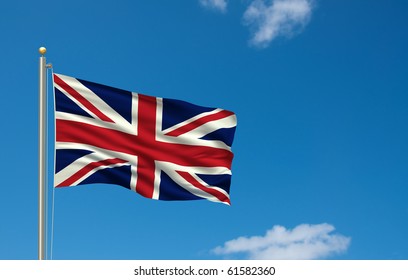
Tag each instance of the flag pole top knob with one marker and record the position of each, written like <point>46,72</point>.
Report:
<point>42,50</point>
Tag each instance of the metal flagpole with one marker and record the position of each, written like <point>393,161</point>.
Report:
<point>42,115</point>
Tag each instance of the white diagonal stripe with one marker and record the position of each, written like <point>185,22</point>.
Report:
<point>92,98</point>
<point>79,164</point>
<point>190,120</point>
<point>211,126</point>
<point>172,173</point>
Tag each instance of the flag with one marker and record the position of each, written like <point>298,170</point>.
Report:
<point>161,148</point>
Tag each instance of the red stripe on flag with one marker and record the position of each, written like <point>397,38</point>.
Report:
<point>117,141</point>
<point>147,129</point>
<point>76,95</point>
<point>189,178</point>
<point>199,122</point>
<point>88,168</point>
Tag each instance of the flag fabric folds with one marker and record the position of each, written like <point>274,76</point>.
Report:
<point>161,148</point>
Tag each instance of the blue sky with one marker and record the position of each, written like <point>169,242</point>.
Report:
<point>320,91</point>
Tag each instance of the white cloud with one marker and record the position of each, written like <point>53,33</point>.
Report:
<point>303,242</point>
<point>278,18</point>
<point>219,5</point>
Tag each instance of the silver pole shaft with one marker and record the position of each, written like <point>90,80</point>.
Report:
<point>42,115</point>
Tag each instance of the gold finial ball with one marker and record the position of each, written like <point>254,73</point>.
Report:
<point>42,50</point>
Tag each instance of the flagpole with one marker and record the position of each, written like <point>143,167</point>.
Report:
<point>42,115</point>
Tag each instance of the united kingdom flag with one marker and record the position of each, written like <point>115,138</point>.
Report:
<point>161,148</point>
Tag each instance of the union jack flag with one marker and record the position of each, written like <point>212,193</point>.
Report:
<point>161,148</point>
